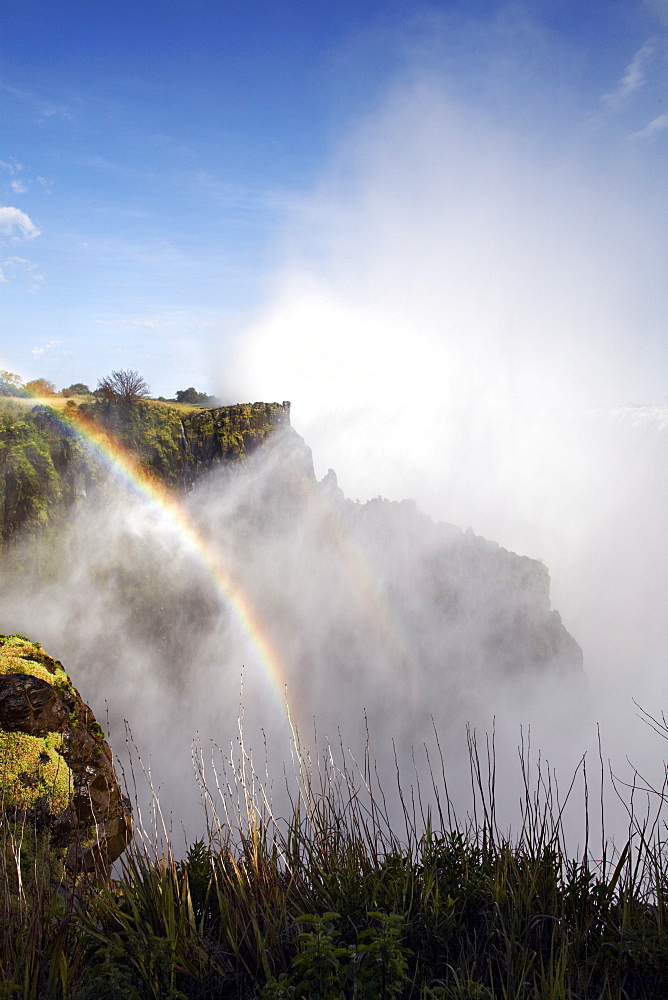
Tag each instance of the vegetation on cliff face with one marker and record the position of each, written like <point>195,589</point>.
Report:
<point>31,486</point>
<point>152,431</point>
<point>33,769</point>
<point>44,465</point>
<point>230,433</point>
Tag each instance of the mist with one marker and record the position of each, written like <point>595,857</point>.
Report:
<point>375,623</point>
<point>469,314</point>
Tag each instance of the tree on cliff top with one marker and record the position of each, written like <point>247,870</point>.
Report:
<point>11,384</point>
<point>124,386</point>
<point>41,387</point>
<point>194,397</point>
<point>76,389</point>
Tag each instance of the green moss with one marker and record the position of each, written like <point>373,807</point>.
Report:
<point>19,655</point>
<point>151,430</point>
<point>29,483</point>
<point>32,768</point>
<point>95,730</point>
<point>230,433</point>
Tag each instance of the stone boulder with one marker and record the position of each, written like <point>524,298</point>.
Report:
<point>56,774</point>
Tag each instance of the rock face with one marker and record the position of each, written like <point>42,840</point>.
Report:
<point>469,602</point>
<point>229,433</point>
<point>463,612</point>
<point>57,773</point>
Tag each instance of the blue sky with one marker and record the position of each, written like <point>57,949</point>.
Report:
<point>166,162</point>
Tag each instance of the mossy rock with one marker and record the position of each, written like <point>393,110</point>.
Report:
<point>57,778</point>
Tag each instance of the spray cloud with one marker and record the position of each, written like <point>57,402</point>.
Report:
<point>472,313</point>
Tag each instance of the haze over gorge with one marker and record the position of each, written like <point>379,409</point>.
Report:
<point>465,303</point>
<point>234,583</point>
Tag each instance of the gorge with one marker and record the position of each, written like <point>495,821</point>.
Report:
<point>350,614</point>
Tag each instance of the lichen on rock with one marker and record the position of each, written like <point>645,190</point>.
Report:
<point>32,769</point>
<point>56,772</point>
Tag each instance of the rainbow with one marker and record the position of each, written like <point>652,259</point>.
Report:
<point>124,464</point>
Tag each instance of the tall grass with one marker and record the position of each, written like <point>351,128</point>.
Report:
<point>335,900</point>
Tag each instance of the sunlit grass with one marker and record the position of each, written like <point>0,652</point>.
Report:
<point>58,402</point>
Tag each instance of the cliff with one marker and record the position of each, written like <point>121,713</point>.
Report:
<point>472,605</point>
<point>213,438</point>
<point>340,581</point>
<point>45,467</point>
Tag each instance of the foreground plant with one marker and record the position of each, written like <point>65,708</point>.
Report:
<point>336,904</point>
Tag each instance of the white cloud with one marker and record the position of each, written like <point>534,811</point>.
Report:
<point>11,166</point>
<point>12,267</point>
<point>170,321</point>
<point>147,322</point>
<point>18,187</point>
<point>634,76</point>
<point>12,219</point>
<point>38,352</point>
<point>658,124</point>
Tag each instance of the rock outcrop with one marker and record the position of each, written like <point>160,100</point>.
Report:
<point>57,774</point>
<point>463,599</point>
<point>468,601</point>
<point>212,438</point>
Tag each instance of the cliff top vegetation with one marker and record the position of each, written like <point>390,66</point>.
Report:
<point>120,385</point>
